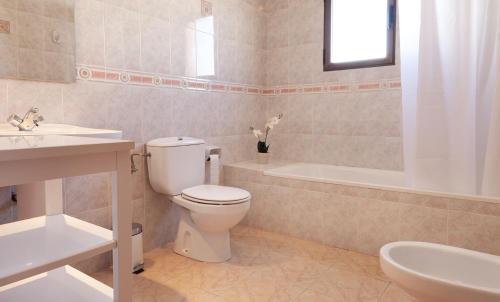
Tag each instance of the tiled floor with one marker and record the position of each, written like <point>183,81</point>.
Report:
<point>265,267</point>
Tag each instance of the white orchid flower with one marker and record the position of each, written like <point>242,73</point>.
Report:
<point>257,133</point>
<point>262,145</point>
<point>273,121</point>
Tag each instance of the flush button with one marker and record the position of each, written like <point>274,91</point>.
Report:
<point>4,27</point>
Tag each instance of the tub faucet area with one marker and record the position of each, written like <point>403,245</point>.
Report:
<point>28,122</point>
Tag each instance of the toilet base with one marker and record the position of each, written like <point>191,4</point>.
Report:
<point>196,244</point>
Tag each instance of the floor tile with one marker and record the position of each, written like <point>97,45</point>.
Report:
<point>265,266</point>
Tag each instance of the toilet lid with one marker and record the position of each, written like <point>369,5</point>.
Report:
<point>211,194</point>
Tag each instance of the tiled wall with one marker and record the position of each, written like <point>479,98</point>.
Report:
<point>364,219</point>
<point>354,126</point>
<point>273,45</point>
<point>6,206</point>
<point>28,51</point>
<point>149,37</point>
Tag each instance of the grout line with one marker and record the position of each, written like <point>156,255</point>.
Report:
<point>385,290</point>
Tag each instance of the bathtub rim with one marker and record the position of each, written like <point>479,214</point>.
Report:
<point>266,170</point>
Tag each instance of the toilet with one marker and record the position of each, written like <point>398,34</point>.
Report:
<point>441,273</point>
<point>177,169</point>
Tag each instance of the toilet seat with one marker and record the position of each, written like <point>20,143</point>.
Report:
<point>215,195</point>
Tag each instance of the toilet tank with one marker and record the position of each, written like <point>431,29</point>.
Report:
<point>176,163</point>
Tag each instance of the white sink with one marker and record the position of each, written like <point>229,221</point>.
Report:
<point>31,197</point>
<point>59,129</point>
<point>440,273</point>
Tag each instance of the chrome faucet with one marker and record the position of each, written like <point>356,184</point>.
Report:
<point>28,122</point>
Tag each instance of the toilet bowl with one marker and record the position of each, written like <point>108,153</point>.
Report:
<point>440,273</point>
<point>207,214</point>
<point>176,168</point>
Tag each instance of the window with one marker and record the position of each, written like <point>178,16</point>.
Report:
<point>359,34</point>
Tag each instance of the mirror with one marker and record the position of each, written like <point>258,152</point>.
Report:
<point>37,40</point>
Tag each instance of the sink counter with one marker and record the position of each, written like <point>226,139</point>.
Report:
<point>44,146</point>
<point>59,129</point>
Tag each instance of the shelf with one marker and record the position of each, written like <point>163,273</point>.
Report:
<point>33,246</point>
<point>60,285</point>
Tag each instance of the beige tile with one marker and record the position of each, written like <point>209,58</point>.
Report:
<point>265,266</point>
<point>310,295</point>
<point>66,31</point>
<point>395,294</point>
<point>8,4</point>
<point>423,200</point>
<point>161,219</point>
<point>31,66</point>
<point>474,231</point>
<point>354,262</point>
<point>155,44</point>
<point>305,21</point>
<point>475,206</point>
<point>227,61</point>
<point>132,5</point>
<point>85,104</point>
<point>95,264</point>
<point>185,13</point>
<point>276,29</point>
<point>348,286</point>
<point>30,30</point>
<point>59,9</point>
<point>157,111</point>
<point>275,5</point>
<point>124,111</point>
<point>3,100</point>
<point>423,224</point>
<point>376,225</point>
<point>144,288</point>
<point>339,219</point>
<point>122,36</point>
<point>302,63</point>
<point>59,67</point>
<point>84,193</point>
<point>31,6</point>
<point>6,205</point>
<point>300,113</point>
<point>156,8</point>
<point>89,32</point>
<point>22,95</point>
<point>138,214</point>
<point>277,66</point>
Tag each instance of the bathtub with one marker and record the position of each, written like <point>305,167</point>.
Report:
<point>339,175</point>
<point>361,209</point>
<point>360,177</point>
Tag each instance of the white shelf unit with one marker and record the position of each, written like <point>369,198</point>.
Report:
<point>40,244</point>
<point>35,253</point>
<point>64,284</point>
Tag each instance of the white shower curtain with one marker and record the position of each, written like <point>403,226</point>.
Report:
<point>450,77</point>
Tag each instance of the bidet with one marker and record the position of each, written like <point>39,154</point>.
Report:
<point>440,273</point>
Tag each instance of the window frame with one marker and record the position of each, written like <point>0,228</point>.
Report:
<point>390,59</point>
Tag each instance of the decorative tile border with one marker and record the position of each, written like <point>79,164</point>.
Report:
<point>100,74</point>
<point>392,84</point>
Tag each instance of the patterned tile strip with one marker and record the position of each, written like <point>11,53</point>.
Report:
<point>100,74</point>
